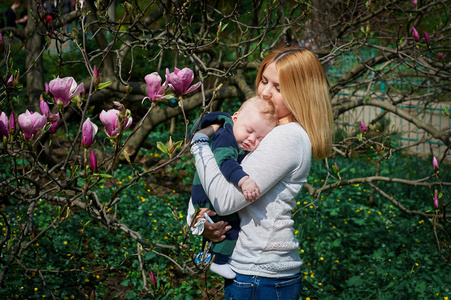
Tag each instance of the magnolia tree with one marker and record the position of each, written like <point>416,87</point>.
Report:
<point>125,49</point>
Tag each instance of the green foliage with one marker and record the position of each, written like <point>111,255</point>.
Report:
<point>84,255</point>
<point>170,148</point>
<point>353,250</point>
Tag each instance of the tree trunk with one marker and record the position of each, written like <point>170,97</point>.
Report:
<point>33,60</point>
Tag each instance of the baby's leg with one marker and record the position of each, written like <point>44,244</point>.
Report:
<point>224,249</point>
<point>223,270</point>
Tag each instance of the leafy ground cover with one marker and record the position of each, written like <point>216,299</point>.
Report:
<point>356,251</point>
<point>351,250</point>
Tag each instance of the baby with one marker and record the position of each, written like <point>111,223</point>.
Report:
<point>239,134</point>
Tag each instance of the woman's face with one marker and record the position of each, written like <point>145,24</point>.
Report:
<point>269,89</point>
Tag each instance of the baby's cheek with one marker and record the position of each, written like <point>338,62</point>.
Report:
<point>256,144</point>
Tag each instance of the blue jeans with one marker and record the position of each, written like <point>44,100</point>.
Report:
<point>245,287</point>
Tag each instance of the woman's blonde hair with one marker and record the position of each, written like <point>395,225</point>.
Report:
<point>305,93</point>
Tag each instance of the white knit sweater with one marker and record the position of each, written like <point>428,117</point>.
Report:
<point>266,244</point>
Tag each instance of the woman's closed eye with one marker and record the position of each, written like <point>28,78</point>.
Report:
<point>265,82</point>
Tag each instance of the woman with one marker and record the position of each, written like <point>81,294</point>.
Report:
<point>266,257</point>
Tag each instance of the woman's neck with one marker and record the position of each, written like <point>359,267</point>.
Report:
<point>286,120</point>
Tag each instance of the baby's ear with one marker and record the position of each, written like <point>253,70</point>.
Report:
<point>235,116</point>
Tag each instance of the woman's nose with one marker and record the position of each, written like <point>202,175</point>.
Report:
<point>266,93</point>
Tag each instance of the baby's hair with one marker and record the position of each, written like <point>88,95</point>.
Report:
<point>265,107</point>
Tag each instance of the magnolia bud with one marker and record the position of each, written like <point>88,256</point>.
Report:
<point>435,164</point>
<point>363,127</point>
<point>426,37</point>
<point>12,124</point>
<point>416,36</point>
<point>2,44</point>
<point>96,77</point>
<point>153,281</point>
<point>436,199</point>
<point>10,84</point>
<point>93,161</point>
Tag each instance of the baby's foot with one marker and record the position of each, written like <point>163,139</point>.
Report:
<point>223,270</point>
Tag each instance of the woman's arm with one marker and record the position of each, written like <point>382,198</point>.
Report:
<point>279,153</point>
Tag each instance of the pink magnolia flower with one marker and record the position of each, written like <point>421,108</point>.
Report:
<point>435,164</point>
<point>180,80</point>
<point>416,36</point>
<point>415,2</point>
<point>110,120</point>
<point>45,110</point>
<point>4,126</point>
<point>363,127</point>
<point>53,119</point>
<point>426,37</point>
<point>31,123</point>
<point>154,88</point>
<point>64,89</point>
<point>89,131</point>
<point>93,161</point>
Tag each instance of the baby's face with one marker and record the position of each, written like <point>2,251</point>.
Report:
<point>249,128</point>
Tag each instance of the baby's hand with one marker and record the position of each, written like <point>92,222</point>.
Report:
<point>250,189</point>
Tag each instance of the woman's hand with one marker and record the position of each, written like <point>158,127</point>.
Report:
<point>214,232</point>
<point>210,130</point>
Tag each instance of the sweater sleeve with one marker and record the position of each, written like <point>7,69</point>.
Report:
<point>226,151</point>
<point>279,153</point>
